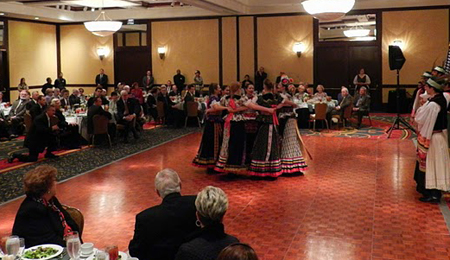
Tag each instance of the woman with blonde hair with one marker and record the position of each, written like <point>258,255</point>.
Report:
<point>211,205</point>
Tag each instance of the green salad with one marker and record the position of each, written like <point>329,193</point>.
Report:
<point>39,253</point>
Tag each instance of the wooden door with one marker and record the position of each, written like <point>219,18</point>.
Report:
<point>131,64</point>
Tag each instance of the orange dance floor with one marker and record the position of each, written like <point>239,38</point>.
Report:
<point>357,201</point>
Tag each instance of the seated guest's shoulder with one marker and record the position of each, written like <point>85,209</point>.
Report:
<point>31,208</point>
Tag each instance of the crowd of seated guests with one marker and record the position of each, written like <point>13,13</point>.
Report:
<point>181,227</point>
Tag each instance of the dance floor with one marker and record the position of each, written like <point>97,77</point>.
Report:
<point>357,201</point>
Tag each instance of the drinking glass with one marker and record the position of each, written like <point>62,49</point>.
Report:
<point>113,252</point>
<point>73,245</point>
<point>13,245</point>
<point>22,246</point>
<point>101,255</point>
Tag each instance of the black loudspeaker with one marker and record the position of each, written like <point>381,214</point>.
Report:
<point>396,58</point>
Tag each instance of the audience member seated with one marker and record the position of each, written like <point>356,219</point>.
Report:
<point>41,219</point>
<point>69,137</point>
<point>345,102</point>
<point>161,229</point>
<point>38,108</point>
<point>339,96</point>
<point>137,93</point>
<point>238,251</point>
<point>310,92</point>
<point>47,85</point>
<point>65,103</point>
<point>56,93</point>
<point>302,109</point>
<point>17,112</point>
<point>96,109</point>
<point>127,111</point>
<point>49,95</point>
<point>173,91</point>
<point>320,95</point>
<point>42,135</point>
<point>362,105</point>
<point>113,107</point>
<point>151,103</point>
<point>74,98</point>
<point>211,205</point>
<point>82,96</point>
<point>98,93</point>
<point>33,100</point>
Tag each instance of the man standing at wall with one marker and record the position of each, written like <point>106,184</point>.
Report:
<point>102,79</point>
<point>179,80</point>
<point>60,82</point>
<point>260,76</point>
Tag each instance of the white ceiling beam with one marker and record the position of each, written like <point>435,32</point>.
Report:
<point>219,6</point>
<point>51,14</point>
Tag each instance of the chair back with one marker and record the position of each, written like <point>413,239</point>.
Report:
<point>28,121</point>
<point>160,109</point>
<point>321,111</point>
<point>76,215</point>
<point>100,124</point>
<point>348,111</point>
<point>192,109</point>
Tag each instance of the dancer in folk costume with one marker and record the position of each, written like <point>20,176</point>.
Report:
<point>232,152</point>
<point>266,150</point>
<point>209,149</point>
<point>292,161</point>
<point>251,125</point>
<point>432,173</point>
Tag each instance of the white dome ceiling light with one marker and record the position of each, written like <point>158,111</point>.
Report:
<point>327,10</point>
<point>103,26</point>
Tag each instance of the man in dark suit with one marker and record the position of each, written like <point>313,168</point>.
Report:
<point>38,108</point>
<point>346,101</point>
<point>127,112</point>
<point>179,80</point>
<point>33,100</point>
<point>102,79</point>
<point>151,103</point>
<point>362,105</point>
<point>18,110</point>
<point>98,93</point>
<point>42,135</point>
<point>96,109</point>
<point>60,82</point>
<point>47,85</point>
<point>148,80</point>
<point>65,103</point>
<point>74,98</point>
<point>260,76</point>
<point>160,230</point>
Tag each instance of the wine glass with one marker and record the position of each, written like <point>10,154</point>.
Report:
<point>73,245</point>
<point>13,245</point>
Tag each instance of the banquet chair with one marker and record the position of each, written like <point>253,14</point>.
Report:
<point>28,121</point>
<point>192,111</point>
<point>76,215</point>
<point>100,128</point>
<point>346,116</point>
<point>321,114</point>
<point>160,110</point>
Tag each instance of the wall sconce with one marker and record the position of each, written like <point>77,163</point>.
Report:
<point>102,52</point>
<point>298,48</point>
<point>162,52</point>
<point>398,43</point>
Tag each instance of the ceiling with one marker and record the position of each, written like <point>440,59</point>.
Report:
<point>83,10</point>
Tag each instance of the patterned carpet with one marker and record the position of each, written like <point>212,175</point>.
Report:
<point>85,160</point>
<point>381,122</point>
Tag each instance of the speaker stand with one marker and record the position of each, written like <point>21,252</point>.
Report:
<point>399,119</point>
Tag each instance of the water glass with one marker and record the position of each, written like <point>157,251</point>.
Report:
<point>13,245</point>
<point>22,246</point>
<point>73,245</point>
<point>101,255</point>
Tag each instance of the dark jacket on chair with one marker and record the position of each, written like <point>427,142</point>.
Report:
<point>92,111</point>
<point>160,230</point>
<point>206,244</point>
<point>39,224</point>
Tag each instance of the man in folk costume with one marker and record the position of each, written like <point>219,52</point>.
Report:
<point>432,173</point>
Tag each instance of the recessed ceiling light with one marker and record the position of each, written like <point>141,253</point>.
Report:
<point>36,18</point>
<point>2,13</point>
<point>93,9</point>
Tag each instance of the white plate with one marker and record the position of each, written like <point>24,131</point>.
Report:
<point>58,248</point>
<point>123,255</point>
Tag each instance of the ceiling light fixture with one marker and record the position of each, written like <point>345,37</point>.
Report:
<point>2,13</point>
<point>103,26</point>
<point>327,10</point>
<point>356,32</point>
<point>36,18</point>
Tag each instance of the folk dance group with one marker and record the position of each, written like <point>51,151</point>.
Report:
<point>258,136</point>
<point>431,114</point>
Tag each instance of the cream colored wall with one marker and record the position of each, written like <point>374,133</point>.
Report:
<point>191,45</point>
<point>79,60</point>
<point>425,37</point>
<point>229,57</point>
<point>32,53</point>
<point>276,37</point>
<point>246,48</point>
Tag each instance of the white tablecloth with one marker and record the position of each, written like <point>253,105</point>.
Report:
<point>81,121</point>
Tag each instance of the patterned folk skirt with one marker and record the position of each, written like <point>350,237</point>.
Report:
<point>292,161</point>
<point>209,149</point>
<point>266,153</point>
<point>251,130</point>
<point>232,153</point>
